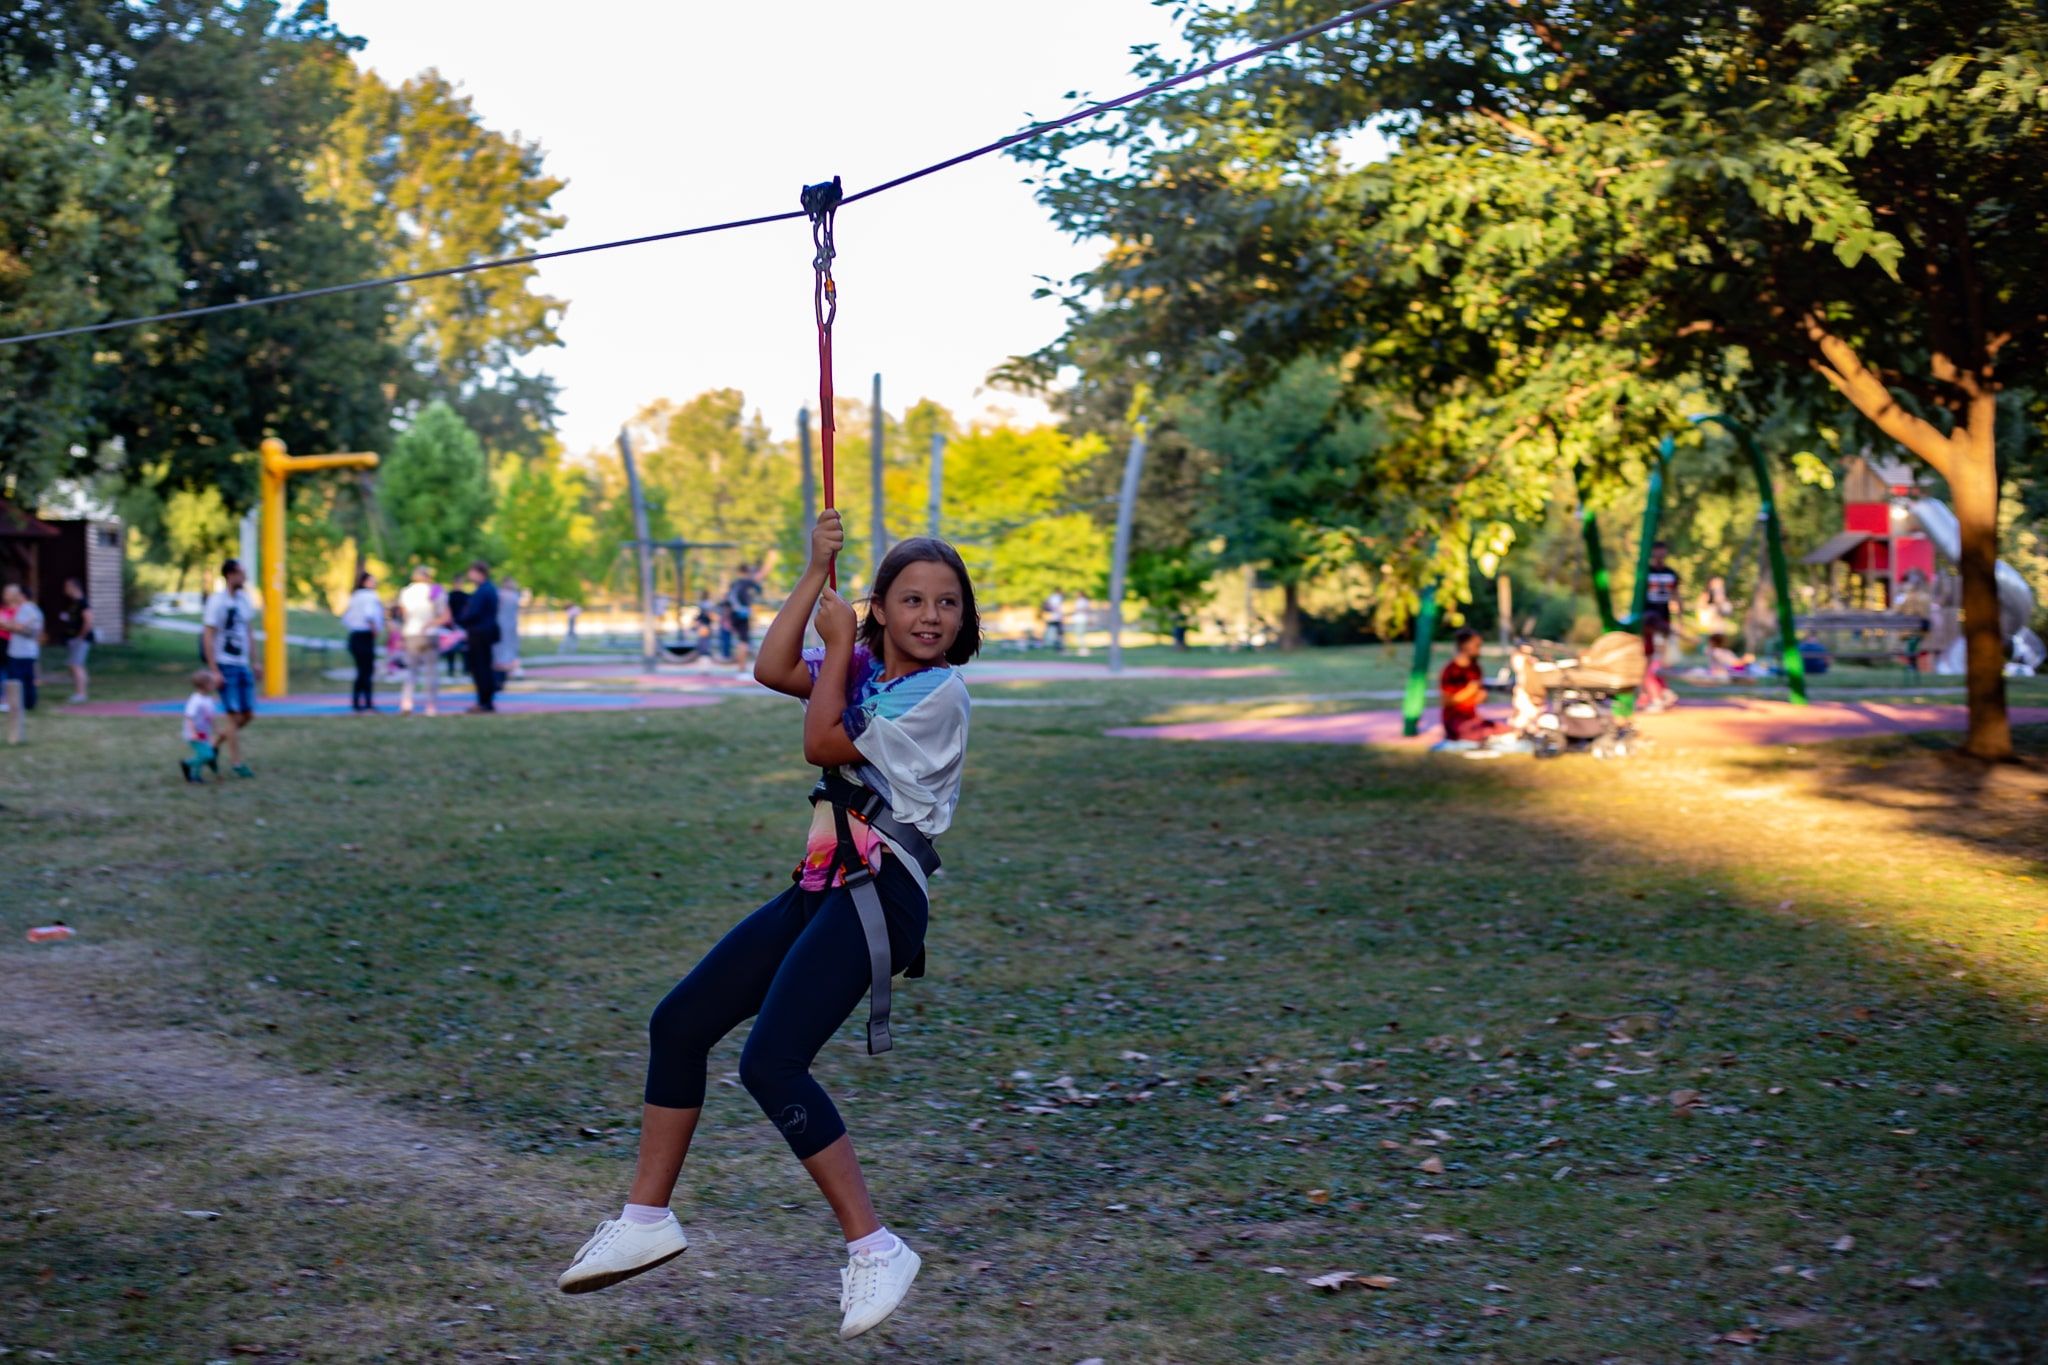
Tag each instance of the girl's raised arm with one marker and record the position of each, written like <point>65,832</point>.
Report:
<point>780,662</point>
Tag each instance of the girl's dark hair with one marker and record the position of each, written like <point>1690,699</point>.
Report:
<point>924,550</point>
<point>363,580</point>
<point>1464,634</point>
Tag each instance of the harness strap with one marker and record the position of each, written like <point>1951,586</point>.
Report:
<point>867,803</point>
<point>874,926</point>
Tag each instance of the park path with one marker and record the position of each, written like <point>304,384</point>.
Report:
<point>409,1172</point>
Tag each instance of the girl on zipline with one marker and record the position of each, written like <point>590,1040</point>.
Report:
<point>886,716</point>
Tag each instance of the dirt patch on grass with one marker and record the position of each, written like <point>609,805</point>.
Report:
<point>501,1225</point>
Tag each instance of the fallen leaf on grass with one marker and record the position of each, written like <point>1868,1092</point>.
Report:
<point>1493,1310</point>
<point>1741,1336</point>
<point>1498,1289</point>
<point>1684,1099</point>
<point>1337,1279</point>
<point>1431,1165</point>
<point>1389,1145</point>
<point>199,1213</point>
<point>1924,1282</point>
<point>1844,1243</point>
<point>1318,1196</point>
<point>1276,1270</point>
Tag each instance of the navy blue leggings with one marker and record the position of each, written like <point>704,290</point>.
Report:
<point>799,963</point>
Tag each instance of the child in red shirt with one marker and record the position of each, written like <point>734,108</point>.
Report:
<point>1464,687</point>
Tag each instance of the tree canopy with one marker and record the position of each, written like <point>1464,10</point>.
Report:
<point>1590,222</point>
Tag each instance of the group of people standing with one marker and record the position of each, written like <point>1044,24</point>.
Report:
<point>725,627</point>
<point>424,623</point>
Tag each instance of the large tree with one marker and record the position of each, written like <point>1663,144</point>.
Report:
<point>1596,217</point>
<point>82,233</point>
<point>436,491</point>
<point>720,473</point>
<point>430,186</point>
<point>1291,483</point>
<point>237,98</point>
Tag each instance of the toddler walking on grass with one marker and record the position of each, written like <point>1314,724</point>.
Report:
<point>201,728</point>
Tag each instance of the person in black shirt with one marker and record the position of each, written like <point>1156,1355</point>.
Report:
<point>1660,597</point>
<point>739,602</point>
<point>74,628</point>
<point>479,620</point>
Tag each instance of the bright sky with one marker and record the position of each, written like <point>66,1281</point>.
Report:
<point>663,116</point>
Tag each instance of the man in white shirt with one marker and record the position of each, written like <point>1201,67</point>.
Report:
<point>1055,613</point>
<point>226,641</point>
<point>23,621</point>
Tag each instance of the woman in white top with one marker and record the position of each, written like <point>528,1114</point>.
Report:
<point>363,618</point>
<point>422,615</point>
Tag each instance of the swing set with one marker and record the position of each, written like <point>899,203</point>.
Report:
<point>1791,661</point>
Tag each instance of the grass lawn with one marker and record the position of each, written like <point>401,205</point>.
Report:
<point>1692,1056</point>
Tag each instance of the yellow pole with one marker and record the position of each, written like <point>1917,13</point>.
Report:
<point>276,467</point>
<point>270,545</point>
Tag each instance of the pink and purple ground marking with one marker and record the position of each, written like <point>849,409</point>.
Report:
<point>1706,723</point>
<point>512,703</point>
<point>1001,670</point>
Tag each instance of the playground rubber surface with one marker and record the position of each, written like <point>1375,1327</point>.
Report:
<point>513,703</point>
<point>999,670</point>
<point>1721,721</point>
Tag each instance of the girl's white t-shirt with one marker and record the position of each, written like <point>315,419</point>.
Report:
<point>912,736</point>
<point>200,711</point>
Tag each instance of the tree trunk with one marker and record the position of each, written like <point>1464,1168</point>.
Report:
<point>1967,458</point>
<point>1290,615</point>
<point>1973,482</point>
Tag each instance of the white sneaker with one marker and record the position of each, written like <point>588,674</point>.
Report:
<point>619,1250</point>
<point>871,1286</point>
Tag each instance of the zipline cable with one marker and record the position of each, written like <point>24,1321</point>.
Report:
<point>531,258</point>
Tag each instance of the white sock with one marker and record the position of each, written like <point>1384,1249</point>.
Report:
<point>645,1213</point>
<point>880,1242</point>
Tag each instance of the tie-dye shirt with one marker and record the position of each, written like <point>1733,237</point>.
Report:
<point>912,736</point>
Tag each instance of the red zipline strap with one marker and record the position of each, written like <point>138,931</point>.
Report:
<point>821,202</point>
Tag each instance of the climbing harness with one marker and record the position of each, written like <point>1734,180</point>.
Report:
<point>850,800</point>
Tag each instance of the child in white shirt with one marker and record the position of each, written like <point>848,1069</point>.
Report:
<point>201,728</point>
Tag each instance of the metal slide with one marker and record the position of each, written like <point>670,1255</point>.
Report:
<point>2015,598</point>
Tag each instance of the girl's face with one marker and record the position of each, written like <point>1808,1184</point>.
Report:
<point>921,614</point>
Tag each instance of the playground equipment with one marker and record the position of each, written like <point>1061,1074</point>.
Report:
<point>1791,663</point>
<point>277,466</point>
<point>1890,533</point>
<point>1119,562</point>
<point>2015,597</point>
<point>1416,695</point>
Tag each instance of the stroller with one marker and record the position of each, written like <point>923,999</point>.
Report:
<point>1573,694</point>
